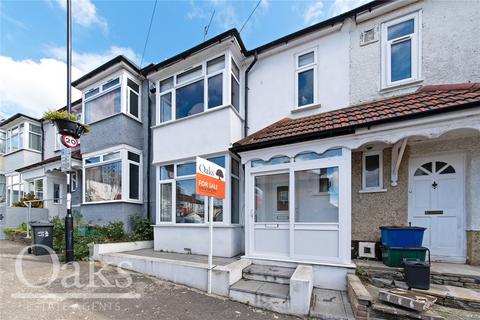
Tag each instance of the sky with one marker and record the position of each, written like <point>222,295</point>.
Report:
<point>33,37</point>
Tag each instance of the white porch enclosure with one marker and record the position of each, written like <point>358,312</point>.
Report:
<point>298,206</point>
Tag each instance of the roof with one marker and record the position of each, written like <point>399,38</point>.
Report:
<point>105,66</point>
<point>75,155</point>
<point>234,33</point>
<point>16,116</point>
<point>426,101</point>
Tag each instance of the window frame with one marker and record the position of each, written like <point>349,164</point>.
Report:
<point>205,76</point>
<point>3,146</point>
<point>25,137</point>
<point>380,171</point>
<point>123,77</point>
<point>312,66</point>
<point>73,181</point>
<point>59,199</point>
<point>226,214</point>
<point>125,176</point>
<point>416,50</point>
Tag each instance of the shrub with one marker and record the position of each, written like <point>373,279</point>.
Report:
<point>28,197</point>
<point>142,228</point>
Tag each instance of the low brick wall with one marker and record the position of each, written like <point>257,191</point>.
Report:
<point>360,299</point>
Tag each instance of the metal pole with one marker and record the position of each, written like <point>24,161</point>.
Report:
<point>69,254</point>
<point>28,220</point>
<point>210,253</point>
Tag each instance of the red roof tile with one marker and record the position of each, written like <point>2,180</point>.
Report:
<point>427,100</point>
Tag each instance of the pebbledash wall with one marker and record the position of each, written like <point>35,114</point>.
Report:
<point>445,28</point>
<point>369,210</point>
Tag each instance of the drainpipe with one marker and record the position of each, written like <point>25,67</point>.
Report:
<point>43,140</point>
<point>245,128</point>
<point>149,139</point>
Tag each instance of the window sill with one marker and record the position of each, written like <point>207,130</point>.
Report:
<point>166,123</point>
<point>407,84</point>
<point>306,108</point>
<point>373,191</point>
<point>114,115</point>
<point>111,201</point>
<point>22,149</point>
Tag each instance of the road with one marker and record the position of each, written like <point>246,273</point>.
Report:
<point>109,294</point>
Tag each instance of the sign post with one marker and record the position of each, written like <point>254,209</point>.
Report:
<point>210,182</point>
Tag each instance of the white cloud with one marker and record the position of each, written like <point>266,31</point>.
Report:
<point>85,13</point>
<point>313,12</point>
<point>225,13</point>
<point>86,62</point>
<point>341,6</point>
<point>33,87</point>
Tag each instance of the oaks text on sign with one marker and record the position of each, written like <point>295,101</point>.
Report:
<point>210,179</point>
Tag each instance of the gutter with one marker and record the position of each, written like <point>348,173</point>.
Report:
<point>245,125</point>
<point>236,148</point>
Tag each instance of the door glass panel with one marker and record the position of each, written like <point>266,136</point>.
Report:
<point>428,166</point>
<point>316,195</point>
<point>439,165</point>
<point>420,172</point>
<point>272,198</point>
<point>447,170</point>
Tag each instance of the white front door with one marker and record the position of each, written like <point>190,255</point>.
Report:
<point>436,202</point>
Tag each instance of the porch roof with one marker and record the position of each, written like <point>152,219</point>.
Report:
<point>428,100</point>
<point>75,155</point>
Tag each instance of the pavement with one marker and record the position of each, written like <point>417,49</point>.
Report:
<point>87,290</point>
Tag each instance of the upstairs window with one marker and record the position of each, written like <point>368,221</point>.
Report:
<point>192,91</point>
<point>400,50</point>
<point>14,139</point>
<point>35,137</point>
<point>103,101</point>
<point>235,93</point>
<point>306,78</point>
<point>133,98</point>
<point>3,138</point>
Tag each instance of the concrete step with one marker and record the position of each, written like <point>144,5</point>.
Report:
<point>331,305</point>
<point>262,294</point>
<point>274,274</point>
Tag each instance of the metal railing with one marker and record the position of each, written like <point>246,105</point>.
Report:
<point>28,203</point>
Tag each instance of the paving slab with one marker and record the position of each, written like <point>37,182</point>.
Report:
<point>195,258</point>
<point>454,269</point>
<point>330,305</point>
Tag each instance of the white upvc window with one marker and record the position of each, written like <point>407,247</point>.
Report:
<point>119,94</point>
<point>372,171</point>
<point>25,135</point>
<point>3,188</point>
<point>401,50</point>
<point>198,88</point>
<point>306,78</point>
<point>35,187</point>
<point>3,142</point>
<point>177,201</point>
<point>57,193</point>
<point>112,175</point>
<point>15,188</point>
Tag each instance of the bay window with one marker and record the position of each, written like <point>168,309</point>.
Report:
<point>178,201</point>
<point>401,50</point>
<point>306,77</point>
<point>198,89</point>
<point>22,136</point>
<point>120,94</point>
<point>113,175</point>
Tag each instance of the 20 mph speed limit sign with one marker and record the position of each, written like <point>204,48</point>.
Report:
<point>69,141</point>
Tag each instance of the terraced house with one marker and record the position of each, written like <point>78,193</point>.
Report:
<point>370,118</point>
